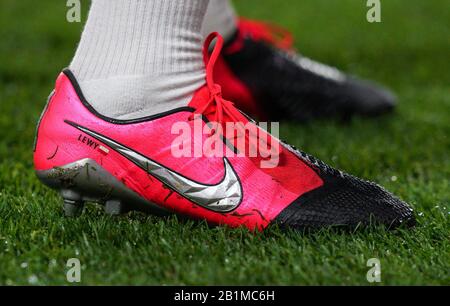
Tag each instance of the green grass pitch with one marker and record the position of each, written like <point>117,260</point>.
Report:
<point>407,152</point>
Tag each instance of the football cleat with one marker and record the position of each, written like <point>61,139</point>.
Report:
<point>134,165</point>
<point>261,72</point>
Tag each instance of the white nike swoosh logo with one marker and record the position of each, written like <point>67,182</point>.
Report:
<point>222,197</point>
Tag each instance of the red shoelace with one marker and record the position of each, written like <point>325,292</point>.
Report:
<point>216,102</point>
<point>223,110</point>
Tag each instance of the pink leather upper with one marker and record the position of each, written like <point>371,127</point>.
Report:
<point>265,191</point>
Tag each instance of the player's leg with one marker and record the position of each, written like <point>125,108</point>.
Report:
<point>123,128</point>
<point>220,17</point>
<point>131,52</point>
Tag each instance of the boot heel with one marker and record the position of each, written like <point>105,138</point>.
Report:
<point>86,181</point>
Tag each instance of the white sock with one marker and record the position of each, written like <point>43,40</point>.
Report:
<point>141,57</point>
<point>220,17</point>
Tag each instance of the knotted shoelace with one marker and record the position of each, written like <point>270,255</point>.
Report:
<point>222,110</point>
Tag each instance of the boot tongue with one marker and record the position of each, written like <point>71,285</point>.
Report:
<point>200,97</point>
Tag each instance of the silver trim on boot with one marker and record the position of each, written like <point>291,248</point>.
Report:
<point>85,180</point>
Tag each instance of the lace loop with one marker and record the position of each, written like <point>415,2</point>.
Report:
<point>221,106</point>
<point>222,109</point>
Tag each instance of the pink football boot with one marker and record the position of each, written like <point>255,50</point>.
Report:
<point>131,165</point>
